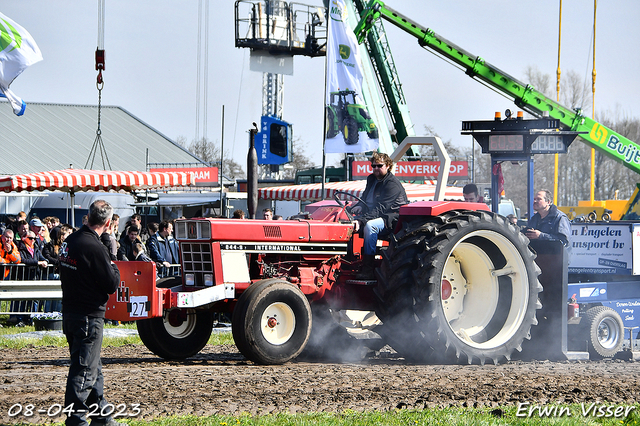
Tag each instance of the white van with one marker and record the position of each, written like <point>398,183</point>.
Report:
<point>507,207</point>
<point>58,204</point>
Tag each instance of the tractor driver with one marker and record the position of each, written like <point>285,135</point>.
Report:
<point>383,195</point>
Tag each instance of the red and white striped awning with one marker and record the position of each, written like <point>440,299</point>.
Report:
<point>313,191</point>
<point>74,180</point>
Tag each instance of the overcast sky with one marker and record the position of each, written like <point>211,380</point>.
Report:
<point>151,54</point>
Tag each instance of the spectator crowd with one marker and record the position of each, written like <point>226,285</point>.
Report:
<point>30,249</point>
<point>35,246</point>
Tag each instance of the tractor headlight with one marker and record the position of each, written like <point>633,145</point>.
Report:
<point>208,280</point>
<point>189,279</point>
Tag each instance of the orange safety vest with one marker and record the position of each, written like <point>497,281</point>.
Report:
<point>12,257</point>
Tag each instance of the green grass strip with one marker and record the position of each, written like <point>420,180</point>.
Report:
<point>436,416</point>
<point>217,338</point>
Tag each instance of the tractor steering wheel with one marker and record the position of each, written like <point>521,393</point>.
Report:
<point>344,206</point>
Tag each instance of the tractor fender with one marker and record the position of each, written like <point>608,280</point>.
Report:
<point>410,211</point>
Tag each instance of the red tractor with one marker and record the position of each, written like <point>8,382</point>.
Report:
<point>455,283</point>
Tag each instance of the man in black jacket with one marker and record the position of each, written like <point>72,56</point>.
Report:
<point>131,235</point>
<point>383,195</point>
<point>88,278</point>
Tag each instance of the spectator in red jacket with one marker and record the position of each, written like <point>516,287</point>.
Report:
<point>8,251</point>
<point>9,254</point>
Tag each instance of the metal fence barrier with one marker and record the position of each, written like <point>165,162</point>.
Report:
<point>172,271</point>
<point>30,289</point>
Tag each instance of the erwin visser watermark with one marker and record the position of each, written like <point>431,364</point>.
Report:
<point>594,409</point>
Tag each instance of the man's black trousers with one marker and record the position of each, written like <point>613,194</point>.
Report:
<point>84,383</point>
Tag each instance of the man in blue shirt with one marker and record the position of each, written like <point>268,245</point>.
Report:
<point>548,223</point>
<point>163,248</point>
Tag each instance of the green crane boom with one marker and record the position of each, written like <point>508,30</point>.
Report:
<point>525,96</point>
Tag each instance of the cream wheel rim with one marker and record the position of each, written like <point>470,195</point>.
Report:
<point>278,323</point>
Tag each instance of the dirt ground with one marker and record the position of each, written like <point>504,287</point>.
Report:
<point>220,380</point>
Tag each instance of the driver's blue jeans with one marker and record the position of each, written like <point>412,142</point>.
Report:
<point>370,232</point>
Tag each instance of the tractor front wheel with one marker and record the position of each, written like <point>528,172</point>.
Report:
<point>271,322</point>
<point>178,334</point>
<point>350,131</point>
<point>458,287</point>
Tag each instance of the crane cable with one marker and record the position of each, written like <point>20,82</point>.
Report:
<point>593,106</point>
<point>198,70</point>
<point>556,156</point>
<point>100,66</point>
<point>202,65</point>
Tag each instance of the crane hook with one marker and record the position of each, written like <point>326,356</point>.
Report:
<point>99,66</point>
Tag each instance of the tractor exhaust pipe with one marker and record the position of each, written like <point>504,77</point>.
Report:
<point>252,174</point>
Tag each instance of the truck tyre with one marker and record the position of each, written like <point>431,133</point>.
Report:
<point>459,287</point>
<point>271,322</point>
<point>350,131</point>
<point>604,331</point>
<point>179,333</point>
<point>332,129</point>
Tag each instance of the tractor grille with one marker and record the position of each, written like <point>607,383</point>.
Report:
<point>272,232</point>
<point>197,260</point>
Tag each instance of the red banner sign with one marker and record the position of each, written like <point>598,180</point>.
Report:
<point>413,170</point>
<point>203,176</point>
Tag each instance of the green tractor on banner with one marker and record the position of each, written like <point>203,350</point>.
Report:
<point>344,114</point>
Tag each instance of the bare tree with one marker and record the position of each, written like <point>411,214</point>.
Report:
<point>542,82</point>
<point>182,141</point>
<point>205,149</point>
<point>209,152</point>
<point>615,180</point>
<point>231,168</point>
<point>574,92</point>
<point>573,165</point>
<point>574,177</point>
<point>452,150</point>
<point>299,161</point>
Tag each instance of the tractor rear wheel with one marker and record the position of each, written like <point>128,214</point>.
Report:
<point>604,330</point>
<point>350,131</point>
<point>179,333</point>
<point>331,126</point>
<point>459,287</point>
<point>271,322</point>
